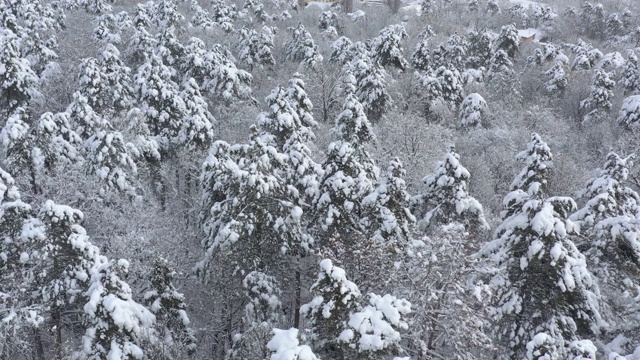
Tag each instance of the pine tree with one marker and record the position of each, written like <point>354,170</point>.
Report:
<point>118,76</point>
<point>446,198</point>
<point>508,40</point>
<point>110,159</point>
<point>197,126</point>
<point>164,14</point>
<point>631,74</point>
<point>302,48</point>
<point>159,98</point>
<point>480,50</point>
<point>586,55</point>
<point>472,110</point>
<point>386,48</point>
<point>141,45</point>
<point>20,262</point>
<point>169,48</point>
<point>599,99</point>
<point>501,77</point>
<point>285,345</point>
<point>225,80</point>
<point>609,230</point>
<point>19,84</point>
<point>94,85</point>
<point>223,15</point>
<point>420,59</point>
<point>116,325</point>
<point>629,114</point>
<point>342,50</point>
<point>342,327</point>
<point>167,304</point>
<point>545,285</point>
<point>371,86</point>
<point>534,177</point>
<point>248,212</point>
<point>388,218</point>
<point>261,313</point>
<point>558,80</point>
<point>451,86</point>
<point>84,119</point>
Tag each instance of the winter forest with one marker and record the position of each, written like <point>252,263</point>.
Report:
<point>282,180</point>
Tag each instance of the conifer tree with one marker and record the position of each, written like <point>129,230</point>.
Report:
<point>302,48</point>
<point>599,99</point>
<point>387,49</point>
<point>480,50</point>
<point>94,84</point>
<point>341,50</point>
<point>197,126</point>
<point>116,325</point>
<point>629,114</point>
<point>472,110</point>
<point>19,84</point>
<point>371,87</point>
<point>225,80</point>
<point>118,77</point>
<point>84,119</point>
<point>558,80</point>
<point>546,286</point>
<point>110,159</point>
<point>631,74</point>
<point>446,198</point>
<point>538,160</point>
<point>508,40</point>
<point>167,304</point>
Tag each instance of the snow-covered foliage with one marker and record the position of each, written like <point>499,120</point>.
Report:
<point>371,84</point>
<point>387,47</point>
<point>110,159</point>
<point>508,40</point>
<point>600,97</point>
<point>302,48</point>
<point>286,346</point>
<point>534,176</point>
<point>167,304</point>
<point>446,198</point>
<point>629,114</point>
<point>535,256</point>
<point>19,84</point>
<point>472,110</point>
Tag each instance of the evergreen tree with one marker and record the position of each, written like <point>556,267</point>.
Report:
<point>225,80</point>
<point>167,304</point>
<point>446,198</point>
<point>169,48</point>
<point>508,40</point>
<point>480,50</point>
<point>285,345</point>
<point>223,15</point>
<point>599,98</point>
<point>159,98</point>
<point>386,48</point>
<point>302,47</point>
<point>388,218</point>
<point>631,74</point>
<point>84,119</point>
<point>558,80</point>
<point>420,59</point>
<point>545,285</point>
<point>610,230</point>
<point>472,110</point>
<point>19,84</point>
<point>197,126</point>
<point>116,325</point>
<point>586,55</point>
<point>118,76</point>
<point>141,45</point>
<point>371,86</point>
<point>534,177</point>
<point>342,50</point>
<point>501,77</point>
<point>20,262</point>
<point>110,159</point>
<point>261,313</point>
<point>629,114</point>
<point>164,14</point>
<point>94,85</point>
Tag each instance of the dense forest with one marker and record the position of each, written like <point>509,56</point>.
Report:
<point>277,180</point>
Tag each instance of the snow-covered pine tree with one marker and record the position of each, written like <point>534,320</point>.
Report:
<point>629,114</point>
<point>480,50</point>
<point>420,59</point>
<point>472,110</point>
<point>342,50</point>
<point>255,48</point>
<point>558,80</point>
<point>388,218</point>
<point>302,48</point>
<point>371,87</point>
<point>610,229</point>
<point>451,86</point>
<point>386,48</point>
<point>600,97</point>
<point>201,17</point>
<point>631,74</point>
<point>110,159</point>
<point>261,314</point>
<point>84,119</point>
<point>300,102</point>
<point>167,304</point>
<point>94,85</point>
<point>248,213</point>
<point>225,80</point>
<point>196,131</point>
<point>141,45</point>
<point>118,76</point>
<point>20,262</point>
<point>285,345</point>
<point>508,40</point>
<point>164,14</point>
<point>223,15</point>
<point>534,177</point>
<point>169,48</point>
<point>116,325</point>
<point>545,285</point>
<point>19,84</point>
<point>343,327</point>
<point>159,98</point>
<point>446,198</point>
<point>501,77</point>
<point>586,55</point>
